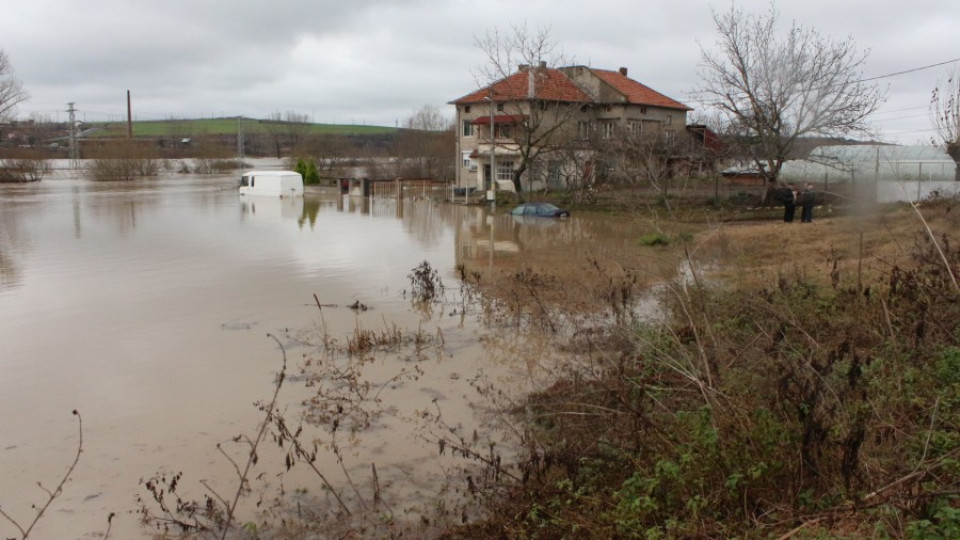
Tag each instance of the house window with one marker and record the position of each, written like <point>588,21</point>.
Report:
<point>468,128</point>
<point>504,170</point>
<point>584,130</point>
<point>500,107</point>
<point>466,108</point>
<point>607,128</point>
<point>504,130</point>
<point>650,127</point>
<point>636,127</point>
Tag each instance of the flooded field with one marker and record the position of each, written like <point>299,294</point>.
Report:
<point>146,307</point>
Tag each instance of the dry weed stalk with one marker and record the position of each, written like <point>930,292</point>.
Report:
<point>52,495</point>
<point>215,515</point>
<point>933,241</point>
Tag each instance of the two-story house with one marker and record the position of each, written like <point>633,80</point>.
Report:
<point>540,126</point>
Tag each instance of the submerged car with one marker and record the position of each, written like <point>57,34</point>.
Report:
<point>534,209</point>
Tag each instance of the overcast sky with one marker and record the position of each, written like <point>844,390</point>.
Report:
<point>376,62</point>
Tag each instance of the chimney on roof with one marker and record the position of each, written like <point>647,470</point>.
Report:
<point>543,64</point>
<point>623,71</point>
<point>531,84</point>
<point>523,67</point>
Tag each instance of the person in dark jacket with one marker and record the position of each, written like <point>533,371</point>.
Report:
<point>807,199</point>
<point>789,195</point>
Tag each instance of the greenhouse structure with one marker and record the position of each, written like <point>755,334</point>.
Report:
<point>898,173</point>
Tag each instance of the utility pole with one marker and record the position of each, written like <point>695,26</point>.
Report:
<point>493,149</point>
<point>74,153</point>
<point>240,140</point>
<point>129,118</point>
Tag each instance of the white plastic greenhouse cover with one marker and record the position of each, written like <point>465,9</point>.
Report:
<point>887,152</point>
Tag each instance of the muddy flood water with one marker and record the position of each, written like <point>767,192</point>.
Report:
<point>146,306</point>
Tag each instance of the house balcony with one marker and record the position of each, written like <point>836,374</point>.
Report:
<point>504,148</point>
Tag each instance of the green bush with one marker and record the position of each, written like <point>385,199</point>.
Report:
<point>308,170</point>
<point>654,239</point>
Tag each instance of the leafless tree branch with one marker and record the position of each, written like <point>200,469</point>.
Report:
<point>945,116</point>
<point>11,89</point>
<point>776,88</point>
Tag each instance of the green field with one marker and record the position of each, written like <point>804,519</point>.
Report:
<point>225,126</point>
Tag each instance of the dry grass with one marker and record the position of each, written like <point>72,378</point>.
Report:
<point>862,245</point>
<point>866,243</point>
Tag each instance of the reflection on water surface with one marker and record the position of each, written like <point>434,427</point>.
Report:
<point>146,306</point>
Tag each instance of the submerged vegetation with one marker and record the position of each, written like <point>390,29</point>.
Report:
<point>23,165</point>
<point>126,161</point>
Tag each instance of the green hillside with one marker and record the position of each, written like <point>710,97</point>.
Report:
<point>225,126</point>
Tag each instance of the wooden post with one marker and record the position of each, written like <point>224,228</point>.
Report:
<point>129,117</point>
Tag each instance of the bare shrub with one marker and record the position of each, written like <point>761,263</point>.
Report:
<point>24,166</point>
<point>425,283</point>
<point>124,160</point>
<point>214,166</point>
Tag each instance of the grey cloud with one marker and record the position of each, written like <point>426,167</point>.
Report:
<point>377,60</point>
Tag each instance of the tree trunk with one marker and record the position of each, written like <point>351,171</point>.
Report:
<point>516,178</point>
<point>953,150</point>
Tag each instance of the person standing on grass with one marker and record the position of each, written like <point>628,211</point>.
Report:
<point>807,200</point>
<point>789,203</point>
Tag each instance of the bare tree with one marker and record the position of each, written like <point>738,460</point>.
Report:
<point>429,118</point>
<point>945,115</point>
<point>38,129</point>
<point>424,146</point>
<point>775,89</point>
<point>11,90</point>
<point>538,122</point>
<point>288,130</point>
<point>639,159</point>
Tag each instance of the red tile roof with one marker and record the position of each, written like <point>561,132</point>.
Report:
<point>635,92</point>
<point>553,85</point>
<point>550,85</point>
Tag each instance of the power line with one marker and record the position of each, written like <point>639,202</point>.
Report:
<point>888,75</point>
<point>912,70</point>
<point>902,109</point>
<point>912,131</point>
<point>902,118</point>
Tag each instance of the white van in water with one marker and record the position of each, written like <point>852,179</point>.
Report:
<point>272,183</point>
